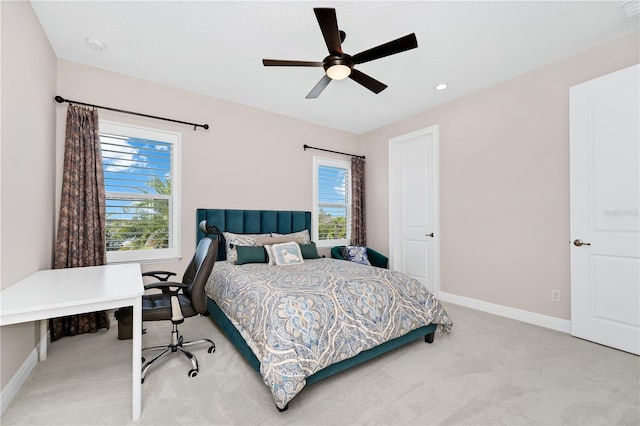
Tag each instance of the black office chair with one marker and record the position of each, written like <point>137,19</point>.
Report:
<point>180,300</point>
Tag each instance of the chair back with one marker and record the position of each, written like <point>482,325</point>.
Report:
<point>197,274</point>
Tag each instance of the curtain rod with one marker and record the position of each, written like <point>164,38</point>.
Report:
<point>60,99</point>
<point>335,152</point>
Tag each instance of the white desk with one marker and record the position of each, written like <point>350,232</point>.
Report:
<point>60,292</point>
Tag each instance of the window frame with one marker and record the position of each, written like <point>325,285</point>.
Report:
<point>342,164</point>
<point>173,253</point>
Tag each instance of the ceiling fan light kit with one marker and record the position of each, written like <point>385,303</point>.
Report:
<point>339,65</point>
<point>338,68</point>
<point>338,72</point>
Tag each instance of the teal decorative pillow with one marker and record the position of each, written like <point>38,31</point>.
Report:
<point>234,240</point>
<point>357,254</point>
<point>309,251</point>
<point>249,254</point>
<point>287,254</point>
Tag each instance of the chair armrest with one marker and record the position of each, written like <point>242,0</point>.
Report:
<point>169,288</point>
<point>165,286</point>
<point>377,259</point>
<point>159,275</point>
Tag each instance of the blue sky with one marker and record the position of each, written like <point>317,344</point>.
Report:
<point>332,188</point>
<point>129,163</point>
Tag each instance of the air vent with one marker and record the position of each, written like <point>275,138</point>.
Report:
<point>630,9</point>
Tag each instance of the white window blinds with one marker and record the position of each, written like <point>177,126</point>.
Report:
<point>332,206</point>
<point>141,172</point>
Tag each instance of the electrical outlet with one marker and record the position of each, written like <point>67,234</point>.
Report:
<point>555,295</point>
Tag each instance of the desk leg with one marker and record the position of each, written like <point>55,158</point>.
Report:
<point>44,328</point>
<point>136,401</point>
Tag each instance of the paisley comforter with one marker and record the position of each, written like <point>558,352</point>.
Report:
<point>299,319</point>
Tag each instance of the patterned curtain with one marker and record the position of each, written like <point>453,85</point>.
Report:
<point>358,218</point>
<point>81,225</point>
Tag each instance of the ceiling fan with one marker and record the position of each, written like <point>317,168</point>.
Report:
<point>339,65</point>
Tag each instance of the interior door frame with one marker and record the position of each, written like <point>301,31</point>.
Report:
<point>434,131</point>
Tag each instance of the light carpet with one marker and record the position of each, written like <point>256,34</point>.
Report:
<point>489,371</point>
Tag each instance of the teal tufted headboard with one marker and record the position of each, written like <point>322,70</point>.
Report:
<point>252,222</point>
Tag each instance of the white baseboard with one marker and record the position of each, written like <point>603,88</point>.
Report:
<point>546,321</point>
<point>18,379</point>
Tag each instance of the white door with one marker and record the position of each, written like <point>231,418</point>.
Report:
<point>413,206</point>
<point>605,210</point>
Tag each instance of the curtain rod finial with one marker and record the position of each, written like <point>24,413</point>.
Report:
<point>59,99</point>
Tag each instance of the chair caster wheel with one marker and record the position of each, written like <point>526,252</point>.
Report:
<point>212,349</point>
<point>193,373</point>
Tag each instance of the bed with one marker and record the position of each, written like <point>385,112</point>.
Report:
<point>300,323</point>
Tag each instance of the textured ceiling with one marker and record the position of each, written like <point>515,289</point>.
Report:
<point>215,48</point>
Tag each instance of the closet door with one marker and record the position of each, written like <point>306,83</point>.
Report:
<point>413,206</point>
<point>605,210</point>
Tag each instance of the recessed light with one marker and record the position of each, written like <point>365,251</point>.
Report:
<point>96,44</point>
<point>441,86</point>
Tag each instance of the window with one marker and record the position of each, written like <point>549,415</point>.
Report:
<point>331,202</point>
<point>142,185</point>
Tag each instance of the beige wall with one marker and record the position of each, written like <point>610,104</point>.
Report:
<point>504,182</point>
<point>27,165</point>
<point>248,159</point>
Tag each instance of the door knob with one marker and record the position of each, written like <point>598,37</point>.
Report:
<point>579,243</point>
<point>429,235</point>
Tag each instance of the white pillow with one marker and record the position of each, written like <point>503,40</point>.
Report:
<point>301,237</point>
<point>264,241</point>
<point>285,254</point>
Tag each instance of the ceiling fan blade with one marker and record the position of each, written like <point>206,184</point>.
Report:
<point>329,26</point>
<point>318,88</point>
<point>285,63</point>
<point>369,82</point>
<point>391,48</point>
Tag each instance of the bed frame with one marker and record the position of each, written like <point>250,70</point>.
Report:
<point>282,222</point>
